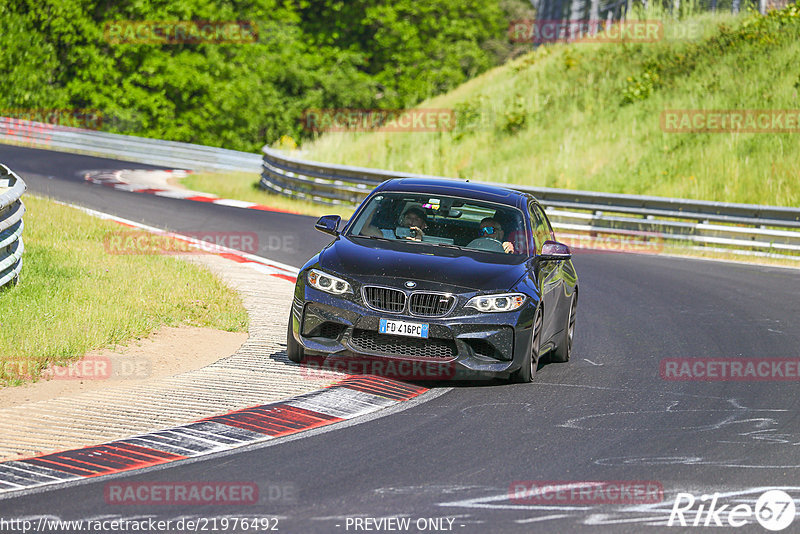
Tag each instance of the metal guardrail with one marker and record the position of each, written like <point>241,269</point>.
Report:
<point>127,147</point>
<point>740,227</point>
<point>11,210</point>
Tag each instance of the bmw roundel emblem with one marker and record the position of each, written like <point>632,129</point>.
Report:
<point>411,284</point>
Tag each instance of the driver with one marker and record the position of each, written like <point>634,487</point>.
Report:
<point>491,228</point>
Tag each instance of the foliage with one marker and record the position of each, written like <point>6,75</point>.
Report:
<point>308,55</point>
<point>640,87</point>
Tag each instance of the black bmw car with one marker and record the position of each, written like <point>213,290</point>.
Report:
<point>437,279</point>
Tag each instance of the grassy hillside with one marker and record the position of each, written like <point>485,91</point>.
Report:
<point>586,116</point>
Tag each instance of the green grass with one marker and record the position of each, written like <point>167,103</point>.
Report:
<point>587,116</point>
<point>73,296</point>
<point>244,186</point>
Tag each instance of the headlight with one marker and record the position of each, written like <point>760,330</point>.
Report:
<point>327,283</point>
<point>497,303</point>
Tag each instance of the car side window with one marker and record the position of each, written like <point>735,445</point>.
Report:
<point>541,227</point>
<point>535,224</point>
<point>547,228</point>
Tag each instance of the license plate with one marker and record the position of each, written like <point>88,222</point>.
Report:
<point>403,328</point>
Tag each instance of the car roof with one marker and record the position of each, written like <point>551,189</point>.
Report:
<point>444,186</point>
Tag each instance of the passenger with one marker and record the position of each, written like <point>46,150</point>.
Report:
<point>415,220</point>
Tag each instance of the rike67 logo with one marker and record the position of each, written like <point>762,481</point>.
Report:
<point>774,510</point>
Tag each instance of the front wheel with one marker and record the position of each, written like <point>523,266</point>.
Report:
<point>563,351</point>
<point>528,369</point>
<point>294,350</point>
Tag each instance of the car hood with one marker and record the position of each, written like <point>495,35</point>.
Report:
<point>370,258</point>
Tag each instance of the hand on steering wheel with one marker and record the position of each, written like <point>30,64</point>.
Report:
<point>489,244</point>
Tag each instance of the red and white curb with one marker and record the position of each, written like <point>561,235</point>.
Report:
<point>270,267</point>
<point>156,183</point>
<point>352,397</point>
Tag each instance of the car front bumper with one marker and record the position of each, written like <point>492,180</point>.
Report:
<point>464,345</point>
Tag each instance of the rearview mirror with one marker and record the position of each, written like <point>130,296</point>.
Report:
<point>328,224</point>
<point>553,250</point>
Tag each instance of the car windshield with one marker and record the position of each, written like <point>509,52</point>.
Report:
<point>443,220</point>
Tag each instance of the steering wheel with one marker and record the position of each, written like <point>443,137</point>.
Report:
<point>489,244</point>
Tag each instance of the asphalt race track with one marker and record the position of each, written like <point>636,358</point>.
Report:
<point>608,415</point>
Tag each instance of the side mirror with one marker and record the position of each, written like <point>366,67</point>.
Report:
<point>328,224</point>
<point>553,250</point>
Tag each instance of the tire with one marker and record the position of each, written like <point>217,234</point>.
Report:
<point>294,351</point>
<point>528,370</point>
<point>563,351</point>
